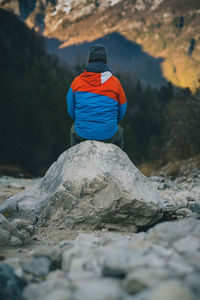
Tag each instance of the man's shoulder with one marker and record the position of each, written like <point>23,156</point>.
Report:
<point>116,81</point>
<point>76,78</point>
<point>75,81</point>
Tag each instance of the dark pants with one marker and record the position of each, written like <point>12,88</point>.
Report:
<point>117,138</point>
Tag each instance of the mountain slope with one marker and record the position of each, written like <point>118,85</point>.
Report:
<point>32,110</point>
<point>134,62</point>
<point>164,28</point>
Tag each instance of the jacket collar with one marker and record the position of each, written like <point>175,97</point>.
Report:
<point>96,67</point>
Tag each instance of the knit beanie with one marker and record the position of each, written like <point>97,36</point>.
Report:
<point>98,53</point>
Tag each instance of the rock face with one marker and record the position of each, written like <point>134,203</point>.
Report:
<point>91,185</point>
<point>161,263</point>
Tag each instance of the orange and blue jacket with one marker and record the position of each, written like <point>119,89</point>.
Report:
<point>97,102</point>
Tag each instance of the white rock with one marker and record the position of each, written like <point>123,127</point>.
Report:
<point>187,244</point>
<point>61,294</point>
<point>15,185</point>
<point>173,290</point>
<point>144,278</point>
<point>181,198</point>
<point>91,185</point>
<point>116,262</point>
<point>46,288</point>
<point>184,212</point>
<point>167,233</point>
<point>9,235</point>
<point>102,289</point>
<point>13,262</point>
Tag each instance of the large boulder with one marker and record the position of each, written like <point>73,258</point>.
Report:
<point>91,185</point>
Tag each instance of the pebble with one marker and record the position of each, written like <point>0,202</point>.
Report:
<point>10,285</point>
<point>184,212</point>
<point>188,244</point>
<point>15,185</point>
<point>144,278</point>
<point>102,289</point>
<point>38,267</point>
<point>45,289</point>
<point>173,290</point>
<point>52,253</point>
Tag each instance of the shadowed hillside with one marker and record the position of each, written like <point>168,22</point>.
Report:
<point>124,56</point>
<point>32,107</point>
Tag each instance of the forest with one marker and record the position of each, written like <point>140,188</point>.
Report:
<point>160,124</point>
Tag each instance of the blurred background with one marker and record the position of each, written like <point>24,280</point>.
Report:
<point>153,48</point>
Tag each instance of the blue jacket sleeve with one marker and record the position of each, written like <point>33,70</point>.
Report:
<point>71,103</point>
<point>122,111</point>
<point>122,103</point>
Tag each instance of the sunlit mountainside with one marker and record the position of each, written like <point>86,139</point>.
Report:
<point>166,29</point>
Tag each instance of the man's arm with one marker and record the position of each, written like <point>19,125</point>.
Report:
<point>122,103</point>
<point>71,103</point>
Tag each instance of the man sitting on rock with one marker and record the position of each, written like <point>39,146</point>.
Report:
<point>96,102</point>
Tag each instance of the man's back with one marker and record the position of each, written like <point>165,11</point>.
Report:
<point>97,100</point>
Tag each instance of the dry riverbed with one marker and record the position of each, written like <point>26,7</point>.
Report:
<point>161,263</point>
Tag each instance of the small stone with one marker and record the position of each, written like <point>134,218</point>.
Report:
<point>195,207</point>
<point>184,212</point>
<point>173,290</point>
<point>15,185</point>
<point>24,226</point>
<point>167,233</point>
<point>192,281</point>
<point>66,244</point>
<point>15,241</point>
<point>10,285</point>
<point>81,255</point>
<point>38,267</point>
<point>179,266</point>
<point>56,275</point>
<point>193,260</point>
<point>117,261</point>
<point>157,178</point>
<point>180,179</point>
<point>45,289</point>
<point>144,278</point>
<point>168,185</point>
<point>13,262</point>
<point>187,244</point>
<point>181,198</point>
<point>161,251</point>
<point>52,253</point>
<point>9,235</point>
<point>101,289</point>
<point>61,294</point>
<point>20,274</point>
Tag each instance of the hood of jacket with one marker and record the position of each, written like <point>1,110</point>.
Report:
<point>96,73</point>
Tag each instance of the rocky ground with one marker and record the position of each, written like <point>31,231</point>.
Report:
<point>10,186</point>
<point>162,263</point>
<point>158,262</point>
